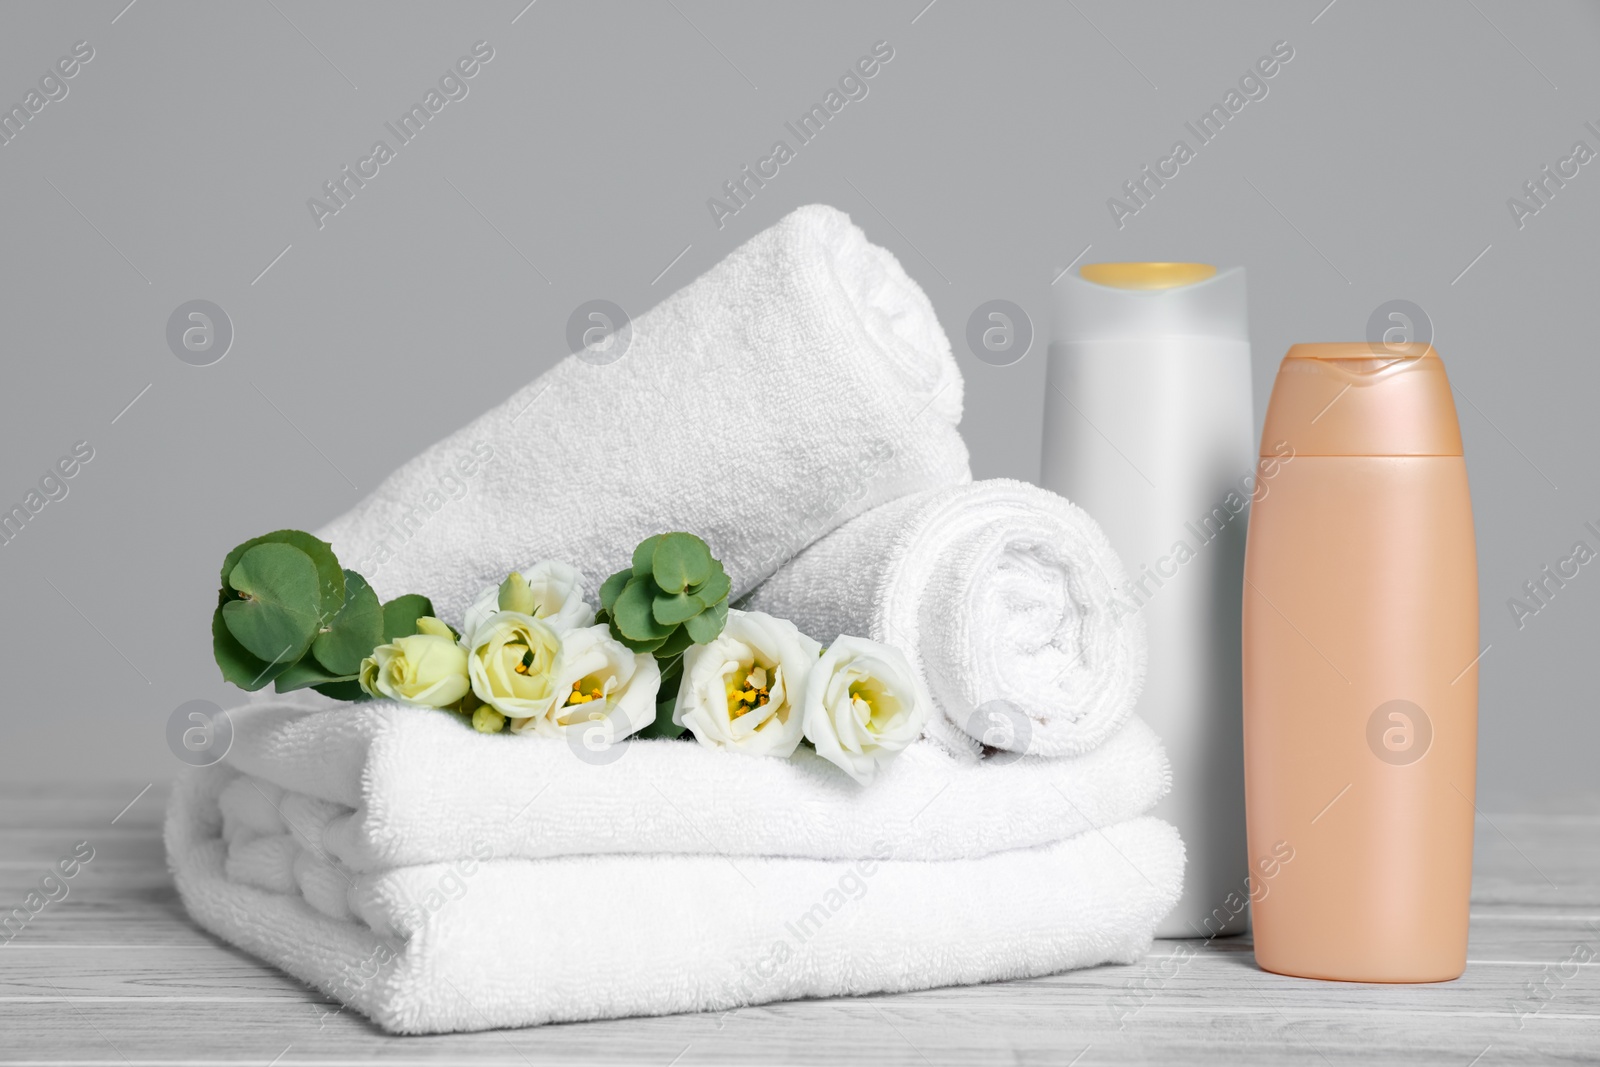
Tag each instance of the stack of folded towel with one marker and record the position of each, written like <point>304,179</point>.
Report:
<point>437,879</point>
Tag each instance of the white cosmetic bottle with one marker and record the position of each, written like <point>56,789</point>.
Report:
<point>1148,427</point>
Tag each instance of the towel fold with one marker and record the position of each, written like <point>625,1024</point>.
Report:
<point>379,785</point>
<point>797,383</point>
<point>1005,595</point>
<point>488,942</point>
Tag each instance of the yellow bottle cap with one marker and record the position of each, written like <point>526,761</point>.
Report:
<point>1146,275</point>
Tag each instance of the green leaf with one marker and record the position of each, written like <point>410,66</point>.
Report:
<point>680,641</point>
<point>714,588</point>
<point>330,576</point>
<point>238,666</point>
<point>611,588</point>
<point>708,624</point>
<point>632,612</point>
<point>633,644</point>
<point>350,691</point>
<point>400,615</point>
<point>306,672</point>
<point>352,634</point>
<point>680,560</point>
<point>670,609</point>
<point>279,612</point>
<point>643,554</point>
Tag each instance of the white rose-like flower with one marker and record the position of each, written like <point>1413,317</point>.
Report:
<point>425,670</point>
<point>743,690</point>
<point>550,591</point>
<point>599,679</point>
<point>862,706</point>
<point>512,660</point>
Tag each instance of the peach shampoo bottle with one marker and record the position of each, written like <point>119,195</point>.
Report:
<point>1360,672</point>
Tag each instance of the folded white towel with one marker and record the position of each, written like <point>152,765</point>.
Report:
<point>1006,595</point>
<point>487,942</point>
<point>797,383</point>
<point>378,785</point>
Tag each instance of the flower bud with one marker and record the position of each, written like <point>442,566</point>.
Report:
<point>515,595</point>
<point>488,721</point>
<point>549,590</point>
<point>427,624</point>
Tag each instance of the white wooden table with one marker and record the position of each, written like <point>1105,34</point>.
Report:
<point>115,973</point>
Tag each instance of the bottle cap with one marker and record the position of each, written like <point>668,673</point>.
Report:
<point>1362,399</point>
<point>1138,301</point>
<point>1146,275</point>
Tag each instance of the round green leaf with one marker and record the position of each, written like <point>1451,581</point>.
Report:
<point>400,615</point>
<point>643,554</point>
<point>306,672</point>
<point>343,690</point>
<point>632,612</point>
<point>708,624</point>
<point>279,609</point>
<point>670,609</point>
<point>612,587</point>
<point>671,648</point>
<point>678,561</point>
<point>330,576</point>
<point>238,666</point>
<point>645,646</point>
<point>352,634</point>
<point>714,588</point>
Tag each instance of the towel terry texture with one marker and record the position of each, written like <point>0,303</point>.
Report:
<point>488,942</point>
<point>379,785</point>
<point>800,381</point>
<point>1005,595</point>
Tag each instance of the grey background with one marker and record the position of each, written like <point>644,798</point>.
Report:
<point>579,166</point>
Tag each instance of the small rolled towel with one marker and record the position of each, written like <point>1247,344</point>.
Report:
<point>1005,595</point>
<point>378,785</point>
<point>484,942</point>
<point>801,381</point>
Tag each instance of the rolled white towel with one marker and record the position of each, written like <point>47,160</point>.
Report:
<point>264,862</point>
<point>801,381</point>
<point>1005,595</point>
<point>251,809</point>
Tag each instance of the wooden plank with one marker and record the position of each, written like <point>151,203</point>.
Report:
<point>1503,956</point>
<point>1022,1022</point>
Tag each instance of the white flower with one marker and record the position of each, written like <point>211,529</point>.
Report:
<point>599,680</point>
<point>425,670</point>
<point>550,591</point>
<point>743,690</point>
<point>512,660</point>
<point>862,706</point>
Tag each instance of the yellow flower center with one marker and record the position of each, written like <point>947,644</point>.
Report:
<point>754,693</point>
<point>578,696</point>
<point>525,662</point>
<point>871,704</point>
